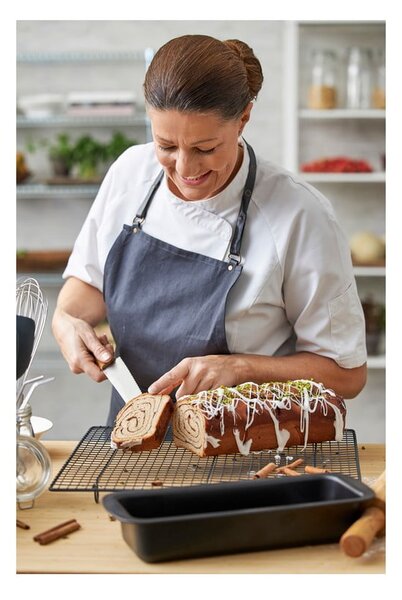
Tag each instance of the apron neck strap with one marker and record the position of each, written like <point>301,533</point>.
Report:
<point>235,244</point>
<point>143,209</point>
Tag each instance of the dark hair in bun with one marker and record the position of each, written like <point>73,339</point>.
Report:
<point>200,73</point>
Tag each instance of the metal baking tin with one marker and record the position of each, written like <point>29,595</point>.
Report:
<point>164,524</point>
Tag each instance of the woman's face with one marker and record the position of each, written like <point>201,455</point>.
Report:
<point>199,152</point>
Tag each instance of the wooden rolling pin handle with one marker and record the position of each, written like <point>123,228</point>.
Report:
<point>379,489</point>
<point>357,539</point>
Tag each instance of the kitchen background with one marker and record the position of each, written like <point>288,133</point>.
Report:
<point>79,98</point>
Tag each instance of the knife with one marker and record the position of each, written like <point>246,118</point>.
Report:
<point>120,378</point>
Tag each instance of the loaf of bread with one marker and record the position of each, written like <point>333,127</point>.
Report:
<point>253,417</point>
<point>141,424</point>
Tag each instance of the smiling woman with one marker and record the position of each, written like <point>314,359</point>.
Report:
<point>199,152</point>
<point>199,94</point>
<point>213,265</point>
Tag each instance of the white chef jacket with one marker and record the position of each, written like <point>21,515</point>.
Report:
<point>296,292</point>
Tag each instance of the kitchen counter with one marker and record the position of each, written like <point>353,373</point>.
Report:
<point>98,547</point>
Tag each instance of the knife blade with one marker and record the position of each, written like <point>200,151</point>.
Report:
<point>121,378</point>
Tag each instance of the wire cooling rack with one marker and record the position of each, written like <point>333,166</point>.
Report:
<point>96,467</point>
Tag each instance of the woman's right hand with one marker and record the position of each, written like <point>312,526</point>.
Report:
<point>80,345</point>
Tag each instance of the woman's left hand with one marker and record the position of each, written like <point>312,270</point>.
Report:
<point>198,373</point>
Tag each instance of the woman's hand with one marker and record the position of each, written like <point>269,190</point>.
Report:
<point>80,345</point>
<point>199,373</point>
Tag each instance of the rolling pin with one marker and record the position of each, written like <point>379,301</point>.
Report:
<point>357,539</point>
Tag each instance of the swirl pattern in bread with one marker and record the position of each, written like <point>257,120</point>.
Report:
<point>141,424</point>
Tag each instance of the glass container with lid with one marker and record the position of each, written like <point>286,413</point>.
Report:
<point>378,93</point>
<point>359,78</point>
<point>33,461</point>
<point>322,91</point>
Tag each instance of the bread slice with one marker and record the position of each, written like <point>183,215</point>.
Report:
<point>142,423</point>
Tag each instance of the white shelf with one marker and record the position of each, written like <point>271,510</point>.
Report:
<point>341,113</point>
<point>69,121</point>
<point>376,362</point>
<point>378,177</point>
<point>79,57</point>
<point>369,271</point>
<point>45,280</point>
<point>39,190</point>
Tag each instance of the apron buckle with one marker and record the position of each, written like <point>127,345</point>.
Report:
<point>234,261</point>
<point>137,222</point>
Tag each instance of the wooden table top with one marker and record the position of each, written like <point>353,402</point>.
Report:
<point>98,547</point>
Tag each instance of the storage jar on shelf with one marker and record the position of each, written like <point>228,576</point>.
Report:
<point>322,92</point>
<point>359,78</point>
<point>378,94</point>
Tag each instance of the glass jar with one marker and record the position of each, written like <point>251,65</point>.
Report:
<point>33,470</point>
<point>24,425</point>
<point>359,78</point>
<point>33,461</point>
<point>322,92</point>
<point>378,93</point>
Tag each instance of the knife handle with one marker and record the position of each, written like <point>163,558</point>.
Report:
<point>102,365</point>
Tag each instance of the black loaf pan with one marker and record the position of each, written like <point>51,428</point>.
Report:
<point>184,522</point>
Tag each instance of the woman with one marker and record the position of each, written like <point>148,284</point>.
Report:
<point>213,267</point>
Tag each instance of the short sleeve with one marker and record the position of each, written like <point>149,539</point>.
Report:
<point>320,293</point>
<point>87,258</point>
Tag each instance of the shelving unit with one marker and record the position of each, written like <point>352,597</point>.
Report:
<point>61,200</point>
<point>340,128</point>
<point>33,126</point>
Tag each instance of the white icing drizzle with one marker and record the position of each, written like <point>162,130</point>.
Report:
<point>311,395</point>
<point>210,439</point>
<point>244,447</point>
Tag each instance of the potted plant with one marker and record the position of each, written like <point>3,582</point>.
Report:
<point>88,153</point>
<point>61,155</point>
<point>118,144</point>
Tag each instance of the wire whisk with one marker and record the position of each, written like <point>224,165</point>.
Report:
<point>31,303</point>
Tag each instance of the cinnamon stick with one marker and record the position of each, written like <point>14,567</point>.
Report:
<point>289,471</point>
<point>315,470</point>
<point>292,465</point>
<point>265,471</point>
<point>57,532</point>
<point>22,525</point>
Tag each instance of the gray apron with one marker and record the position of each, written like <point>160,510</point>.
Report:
<point>164,303</point>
